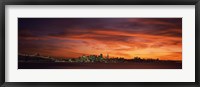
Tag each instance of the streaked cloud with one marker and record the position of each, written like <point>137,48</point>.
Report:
<point>118,37</point>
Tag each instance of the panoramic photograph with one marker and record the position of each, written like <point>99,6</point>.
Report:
<point>99,43</point>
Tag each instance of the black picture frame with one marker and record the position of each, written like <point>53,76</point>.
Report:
<point>99,2</point>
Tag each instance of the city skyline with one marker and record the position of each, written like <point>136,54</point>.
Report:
<point>119,37</point>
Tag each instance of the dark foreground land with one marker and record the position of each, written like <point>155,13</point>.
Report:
<point>132,65</point>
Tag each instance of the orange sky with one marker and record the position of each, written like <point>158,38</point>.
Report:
<point>119,37</point>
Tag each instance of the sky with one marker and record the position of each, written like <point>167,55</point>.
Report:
<point>117,37</point>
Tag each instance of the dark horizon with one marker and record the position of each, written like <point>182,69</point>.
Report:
<point>104,56</point>
<point>94,62</point>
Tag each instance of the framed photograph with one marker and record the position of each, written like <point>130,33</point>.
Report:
<point>59,43</point>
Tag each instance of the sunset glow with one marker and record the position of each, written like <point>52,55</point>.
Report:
<point>117,37</point>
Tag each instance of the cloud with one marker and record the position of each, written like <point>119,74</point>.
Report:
<point>127,37</point>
